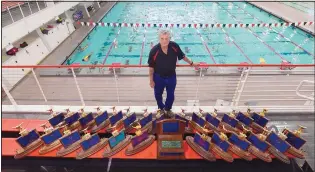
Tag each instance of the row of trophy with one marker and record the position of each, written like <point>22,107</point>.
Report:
<point>243,134</point>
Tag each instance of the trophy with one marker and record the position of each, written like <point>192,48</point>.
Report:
<point>158,117</point>
<point>229,121</point>
<point>91,144</point>
<point>117,142</point>
<point>212,121</point>
<point>260,121</point>
<point>116,121</point>
<point>141,141</point>
<point>72,119</point>
<point>201,144</point>
<point>182,116</point>
<point>57,119</point>
<point>50,139</point>
<point>277,145</point>
<point>101,120</point>
<point>197,121</point>
<point>70,141</point>
<point>29,141</point>
<point>129,120</point>
<point>296,142</point>
<point>220,146</point>
<point>244,120</point>
<point>86,120</point>
<point>146,121</point>
<point>258,146</point>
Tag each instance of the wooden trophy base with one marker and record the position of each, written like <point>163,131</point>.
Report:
<point>119,125</point>
<point>224,155</point>
<point>75,126</point>
<point>213,128</point>
<point>241,153</point>
<point>104,124</point>
<point>259,154</point>
<point>83,154</point>
<point>280,156</point>
<point>140,147</point>
<point>228,127</point>
<point>205,154</point>
<point>257,128</point>
<point>50,147</point>
<point>23,152</point>
<point>148,128</point>
<point>91,124</point>
<point>110,152</point>
<point>196,127</point>
<point>129,129</point>
<point>64,151</point>
<point>297,153</point>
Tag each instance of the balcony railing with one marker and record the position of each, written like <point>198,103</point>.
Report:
<point>128,85</point>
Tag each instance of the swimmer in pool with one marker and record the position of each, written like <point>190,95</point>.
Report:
<point>127,62</point>
<point>116,44</point>
<point>208,38</point>
<point>130,48</point>
<point>87,58</point>
<point>187,50</point>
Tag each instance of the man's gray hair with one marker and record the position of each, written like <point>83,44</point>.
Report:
<point>165,32</point>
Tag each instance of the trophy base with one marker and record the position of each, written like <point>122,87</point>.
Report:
<point>50,147</point>
<point>257,128</point>
<point>129,129</point>
<point>224,155</point>
<point>140,147</point>
<point>147,128</point>
<point>280,156</point>
<point>83,154</point>
<point>188,130</point>
<point>241,153</point>
<point>213,128</point>
<point>104,124</point>
<point>75,126</point>
<point>64,151</point>
<point>196,127</point>
<point>259,154</point>
<point>119,125</point>
<point>297,153</point>
<point>23,152</point>
<point>228,127</point>
<point>205,154</point>
<point>110,152</point>
<point>88,125</point>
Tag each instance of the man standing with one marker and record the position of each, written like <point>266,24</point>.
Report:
<point>162,65</point>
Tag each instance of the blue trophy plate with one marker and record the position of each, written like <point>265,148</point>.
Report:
<point>54,121</point>
<point>24,141</point>
<point>51,137</point>
<point>70,139</point>
<point>212,120</point>
<point>244,119</point>
<point>72,119</point>
<point>129,120</point>
<point>115,118</point>
<point>101,118</point>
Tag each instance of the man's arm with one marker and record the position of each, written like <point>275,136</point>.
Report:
<point>151,71</point>
<point>187,60</point>
<point>151,68</point>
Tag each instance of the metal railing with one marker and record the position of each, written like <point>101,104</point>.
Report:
<point>128,85</point>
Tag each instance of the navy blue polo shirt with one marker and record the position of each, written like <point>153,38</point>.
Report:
<point>165,64</point>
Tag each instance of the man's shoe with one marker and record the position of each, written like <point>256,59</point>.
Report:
<point>169,113</point>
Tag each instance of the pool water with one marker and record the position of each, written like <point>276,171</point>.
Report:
<point>220,46</point>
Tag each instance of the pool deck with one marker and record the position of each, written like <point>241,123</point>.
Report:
<point>287,13</point>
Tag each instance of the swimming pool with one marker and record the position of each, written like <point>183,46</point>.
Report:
<point>220,46</point>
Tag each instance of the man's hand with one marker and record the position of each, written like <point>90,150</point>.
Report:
<point>195,64</point>
<point>152,84</point>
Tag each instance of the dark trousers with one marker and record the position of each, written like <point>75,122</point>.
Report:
<point>160,84</point>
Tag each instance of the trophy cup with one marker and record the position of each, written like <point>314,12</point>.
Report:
<point>101,120</point>
<point>50,139</point>
<point>277,145</point>
<point>212,121</point>
<point>296,142</point>
<point>258,145</point>
<point>220,146</point>
<point>141,141</point>
<point>229,121</point>
<point>116,121</point>
<point>260,121</point>
<point>57,119</point>
<point>72,120</point>
<point>91,144</point>
<point>70,141</point>
<point>117,142</point>
<point>201,144</point>
<point>182,116</point>
<point>129,120</point>
<point>244,119</point>
<point>86,120</point>
<point>197,121</point>
<point>29,141</point>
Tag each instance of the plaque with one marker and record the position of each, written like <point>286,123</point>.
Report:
<point>240,146</point>
<point>50,139</point>
<point>259,121</point>
<point>244,119</point>
<point>57,119</point>
<point>70,142</point>
<point>86,120</point>
<point>129,120</point>
<point>116,121</point>
<point>212,121</point>
<point>277,145</point>
<point>117,142</point>
<point>101,120</point>
<point>182,116</point>
<point>296,142</point>
<point>170,139</point>
<point>197,121</point>
<point>29,141</point>
<point>91,144</point>
<point>258,146</point>
<point>72,120</point>
<point>220,146</point>
<point>139,142</point>
<point>201,144</point>
<point>229,121</point>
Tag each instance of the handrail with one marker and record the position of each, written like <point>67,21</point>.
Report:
<point>298,90</point>
<point>136,66</point>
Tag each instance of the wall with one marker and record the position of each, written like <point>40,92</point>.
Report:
<point>17,30</point>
